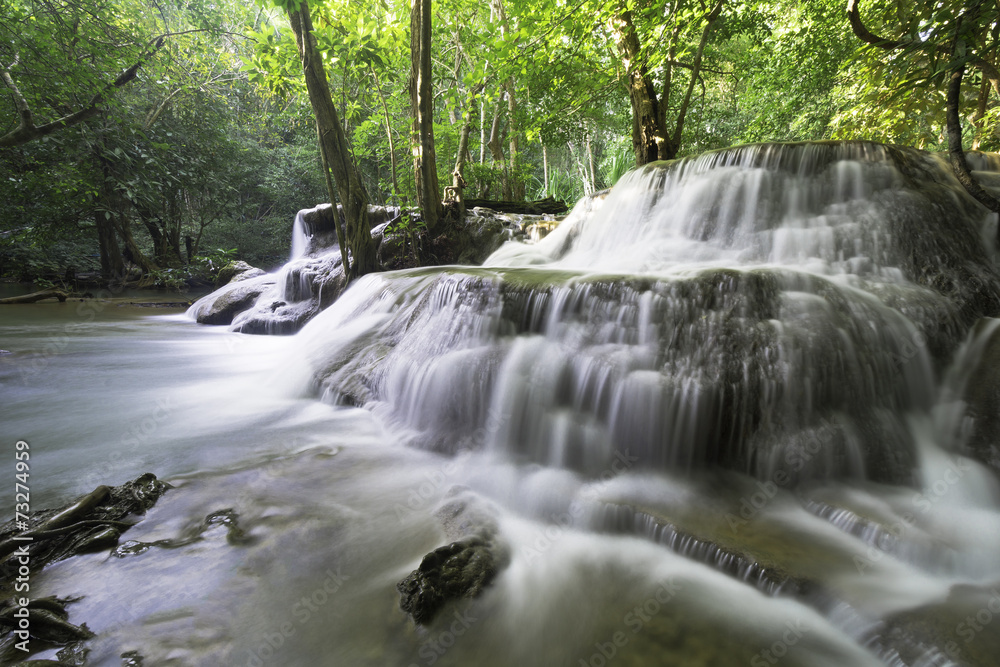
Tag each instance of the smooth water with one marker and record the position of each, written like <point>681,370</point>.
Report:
<point>712,418</point>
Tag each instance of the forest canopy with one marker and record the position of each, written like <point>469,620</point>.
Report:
<point>143,138</point>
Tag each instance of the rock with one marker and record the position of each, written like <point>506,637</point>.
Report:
<point>461,569</point>
<point>318,224</point>
<point>982,394</point>
<point>954,626</point>
<point>95,521</point>
<point>392,251</point>
<point>237,271</point>
<point>222,306</point>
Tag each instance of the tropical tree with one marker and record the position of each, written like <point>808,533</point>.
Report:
<point>940,41</point>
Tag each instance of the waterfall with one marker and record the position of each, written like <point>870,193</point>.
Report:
<point>300,239</point>
<point>772,309</point>
<point>739,408</point>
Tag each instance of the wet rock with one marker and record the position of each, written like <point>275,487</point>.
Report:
<point>982,394</point>
<point>48,627</point>
<point>318,224</point>
<point>93,522</point>
<point>959,628</point>
<point>461,569</point>
<point>226,517</point>
<point>225,304</point>
<point>235,272</point>
<point>132,659</point>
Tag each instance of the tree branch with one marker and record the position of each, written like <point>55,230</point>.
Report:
<point>866,35</point>
<point>695,75</point>
<point>27,131</point>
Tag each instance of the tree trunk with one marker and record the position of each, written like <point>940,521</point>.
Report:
<point>587,186</point>
<point>650,140</point>
<point>516,183</point>
<point>388,134</point>
<point>955,151</point>
<point>545,168</point>
<point>496,152</point>
<point>341,233</point>
<point>113,225</point>
<point>458,174</point>
<point>548,205</point>
<point>422,102</point>
<point>647,135</point>
<point>482,130</point>
<point>35,296</point>
<point>334,146</point>
<point>112,263</point>
<point>590,163</point>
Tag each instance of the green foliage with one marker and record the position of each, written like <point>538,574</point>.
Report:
<point>563,186</point>
<point>899,95</point>
<point>617,163</point>
<point>200,272</point>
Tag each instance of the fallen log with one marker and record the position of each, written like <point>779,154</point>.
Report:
<point>537,207</point>
<point>36,296</point>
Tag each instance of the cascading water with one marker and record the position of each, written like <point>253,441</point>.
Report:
<point>780,311</point>
<point>300,238</point>
<point>726,415</point>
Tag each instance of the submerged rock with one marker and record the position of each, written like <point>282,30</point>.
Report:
<point>462,569</point>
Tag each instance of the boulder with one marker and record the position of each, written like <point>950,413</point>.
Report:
<point>237,271</point>
<point>464,568</point>
<point>236,298</point>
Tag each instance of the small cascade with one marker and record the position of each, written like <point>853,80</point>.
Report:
<point>300,239</point>
<point>624,519</point>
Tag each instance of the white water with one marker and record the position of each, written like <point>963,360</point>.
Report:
<point>586,411</point>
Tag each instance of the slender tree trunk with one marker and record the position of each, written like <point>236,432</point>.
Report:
<point>496,151</point>
<point>331,191</point>
<point>955,151</point>
<point>388,134</point>
<point>590,163</point>
<point>545,168</point>
<point>422,101</point>
<point>458,174</point>
<point>334,146</point>
<point>587,187</point>
<point>482,130</point>
<point>516,183</point>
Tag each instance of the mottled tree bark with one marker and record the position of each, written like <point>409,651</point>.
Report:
<point>422,102</point>
<point>334,146</point>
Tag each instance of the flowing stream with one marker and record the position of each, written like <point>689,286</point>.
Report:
<point>720,418</point>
